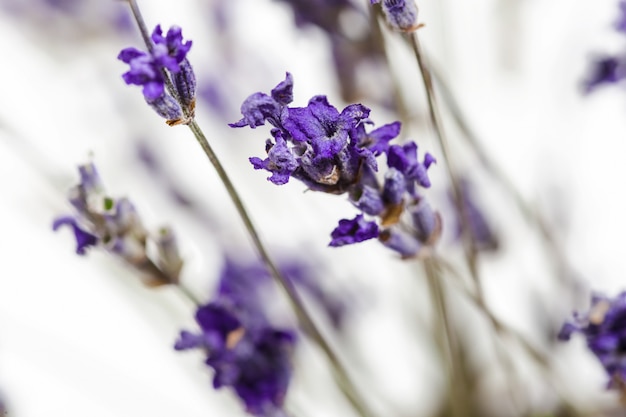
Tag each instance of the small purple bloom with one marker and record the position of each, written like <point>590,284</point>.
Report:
<point>283,92</point>
<point>367,199</point>
<point>280,160</point>
<point>377,141</point>
<point>604,327</point>
<point>406,245</point>
<point>115,225</point>
<point>257,109</point>
<point>251,357</point>
<point>166,106</point>
<point>322,126</point>
<point>483,236</point>
<point>166,57</point>
<point>84,239</point>
<point>394,186</point>
<point>145,70</point>
<point>173,41</point>
<point>401,15</point>
<point>426,221</point>
<point>404,159</point>
<point>605,70</point>
<point>185,84</point>
<point>353,231</point>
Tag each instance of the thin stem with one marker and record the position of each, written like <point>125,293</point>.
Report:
<point>446,339</point>
<point>304,318</point>
<point>294,298</point>
<point>531,214</point>
<point>457,189</point>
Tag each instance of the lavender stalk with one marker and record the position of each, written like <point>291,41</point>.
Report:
<point>295,300</point>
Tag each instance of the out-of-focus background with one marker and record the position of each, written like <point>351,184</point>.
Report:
<point>81,335</point>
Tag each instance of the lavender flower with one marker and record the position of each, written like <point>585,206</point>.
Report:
<point>246,352</point>
<point>608,69</point>
<point>333,152</point>
<point>114,224</point>
<point>166,58</point>
<point>604,328</point>
<point>483,236</point>
<point>322,13</point>
<point>401,15</point>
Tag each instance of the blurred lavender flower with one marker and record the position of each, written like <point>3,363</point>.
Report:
<point>605,70</point>
<point>246,352</point>
<point>608,69</point>
<point>353,44</point>
<point>87,17</point>
<point>604,327</point>
<point>167,57</point>
<point>482,234</point>
<point>115,225</point>
<point>401,15</point>
<point>322,13</point>
<point>332,152</point>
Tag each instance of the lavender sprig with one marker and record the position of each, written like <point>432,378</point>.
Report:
<point>604,328</point>
<point>294,298</point>
<point>246,352</point>
<point>333,152</point>
<point>115,225</point>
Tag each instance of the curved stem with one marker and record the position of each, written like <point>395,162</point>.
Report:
<point>304,318</point>
<point>294,298</point>
<point>531,214</point>
<point>446,339</point>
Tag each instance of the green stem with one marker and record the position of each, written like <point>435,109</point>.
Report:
<point>304,318</point>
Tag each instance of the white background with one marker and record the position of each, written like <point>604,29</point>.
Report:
<point>80,335</point>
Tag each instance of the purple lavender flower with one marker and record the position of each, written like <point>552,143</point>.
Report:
<point>604,328</point>
<point>84,239</point>
<point>605,70</point>
<point>114,224</point>
<point>322,13</point>
<point>401,15</point>
<point>353,231</point>
<point>245,351</point>
<point>483,236</point>
<point>333,152</point>
<point>167,57</point>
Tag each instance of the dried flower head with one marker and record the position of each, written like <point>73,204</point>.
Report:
<point>115,225</point>
<point>333,152</point>
<point>604,328</point>
<point>167,58</point>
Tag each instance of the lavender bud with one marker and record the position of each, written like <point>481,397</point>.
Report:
<point>427,222</point>
<point>168,108</point>
<point>406,245</point>
<point>367,199</point>
<point>395,186</point>
<point>185,83</point>
<point>401,15</point>
<point>169,260</point>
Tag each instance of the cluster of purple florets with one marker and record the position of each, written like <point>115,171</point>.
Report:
<point>246,352</point>
<point>609,69</point>
<point>401,15</point>
<point>114,225</point>
<point>333,152</point>
<point>604,327</point>
<point>167,57</point>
